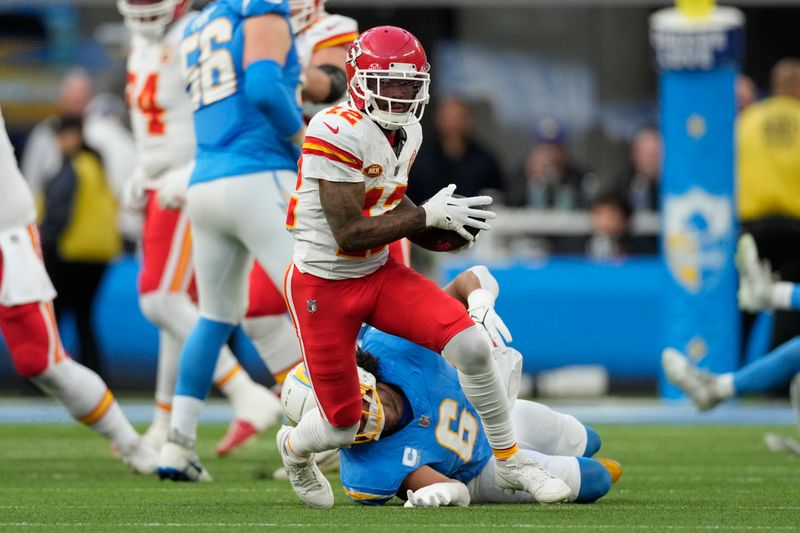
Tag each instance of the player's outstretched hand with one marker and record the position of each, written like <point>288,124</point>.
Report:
<point>481,311</point>
<point>439,495</point>
<point>445,211</point>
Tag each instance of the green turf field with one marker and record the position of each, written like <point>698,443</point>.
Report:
<point>62,478</point>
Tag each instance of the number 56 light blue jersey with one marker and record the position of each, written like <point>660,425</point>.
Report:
<point>444,433</point>
<point>233,137</point>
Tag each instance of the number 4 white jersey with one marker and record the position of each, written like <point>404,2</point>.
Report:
<point>342,145</point>
<point>16,200</point>
<point>161,110</point>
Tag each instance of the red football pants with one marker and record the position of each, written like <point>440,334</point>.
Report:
<point>327,315</point>
<point>31,334</point>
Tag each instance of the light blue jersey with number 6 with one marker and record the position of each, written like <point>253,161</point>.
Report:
<point>234,138</point>
<point>444,433</point>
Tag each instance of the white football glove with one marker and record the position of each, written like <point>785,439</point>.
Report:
<point>444,211</point>
<point>172,186</point>
<point>481,311</point>
<point>133,197</point>
<point>439,495</point>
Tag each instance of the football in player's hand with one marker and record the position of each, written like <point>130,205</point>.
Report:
<point>442,240</point>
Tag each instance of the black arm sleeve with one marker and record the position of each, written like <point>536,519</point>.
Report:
<point>338,83</point>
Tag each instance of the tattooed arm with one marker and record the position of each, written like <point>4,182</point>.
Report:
<point>342,203</point>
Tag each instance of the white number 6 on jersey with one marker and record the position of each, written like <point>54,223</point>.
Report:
<point>211,77</point>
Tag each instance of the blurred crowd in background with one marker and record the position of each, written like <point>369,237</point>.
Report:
<point>563,132</point>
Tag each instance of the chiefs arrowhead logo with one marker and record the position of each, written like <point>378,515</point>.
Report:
<point>373,171</point>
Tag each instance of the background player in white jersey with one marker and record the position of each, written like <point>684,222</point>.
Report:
<point>242,71</point>
<point>758,290</point>
<point>354,169</point>
<point>28,323</point>
<point>161,115</point>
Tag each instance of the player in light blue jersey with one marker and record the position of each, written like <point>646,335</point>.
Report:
<point>758,290</point>
<point>242,72</point>
<point>426,436</point>
<point>432,449</point>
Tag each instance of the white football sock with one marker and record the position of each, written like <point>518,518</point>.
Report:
<point>169,352</point>
<point>782,295</point>
<point>724,387</point>
<point>313,434</point>
<point>470,353</point>
<point>185,417</point>
<point>276,342</point>
<point>88,400</point>
<point>487,395</point>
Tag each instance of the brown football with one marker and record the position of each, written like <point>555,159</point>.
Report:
<point>442,240</point>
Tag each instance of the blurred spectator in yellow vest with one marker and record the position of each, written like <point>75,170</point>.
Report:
<point>79,232</point>
<point>768,148</point>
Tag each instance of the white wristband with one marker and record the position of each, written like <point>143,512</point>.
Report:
<point>486,279</point>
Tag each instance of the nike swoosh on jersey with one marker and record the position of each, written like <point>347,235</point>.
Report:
<point>334,130</point>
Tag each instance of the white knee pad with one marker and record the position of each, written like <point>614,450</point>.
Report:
<point>469,351</point>
<point>173,312</point>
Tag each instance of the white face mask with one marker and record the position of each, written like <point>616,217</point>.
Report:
<point>393,98</point>
<point>303,14</point>
<point>149,20</point>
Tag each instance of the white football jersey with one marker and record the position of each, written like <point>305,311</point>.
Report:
<point>161,109</point>
<point>16,200</point>
<point>343,145</point>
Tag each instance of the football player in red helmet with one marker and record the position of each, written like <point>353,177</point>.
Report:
<point>353,170</point>
<point>151,17</point>
<point>388,77</point>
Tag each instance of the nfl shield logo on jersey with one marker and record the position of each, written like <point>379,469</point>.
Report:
<point>311,305</point>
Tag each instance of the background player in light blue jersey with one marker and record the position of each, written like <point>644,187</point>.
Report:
<point>242,71</point>
<point>758,290</point>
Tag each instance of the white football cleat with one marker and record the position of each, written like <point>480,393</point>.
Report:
<point>307,481</point>
<point>142,458</point>
<point>327,461</point>
<point>696,383</point>
<point>755,277</point>
<point>180,464</point>
<point>518,472</point>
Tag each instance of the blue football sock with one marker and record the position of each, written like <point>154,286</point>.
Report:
<point>775,368</point>
<point>593,442</point>
<point>199,357</point>
<point>595,480</point>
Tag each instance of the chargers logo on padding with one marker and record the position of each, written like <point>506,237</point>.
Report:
<point>698,237</point>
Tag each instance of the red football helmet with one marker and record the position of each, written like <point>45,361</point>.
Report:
<point>304,13</point>
<point>387,76</point>
<point>151,17</point>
